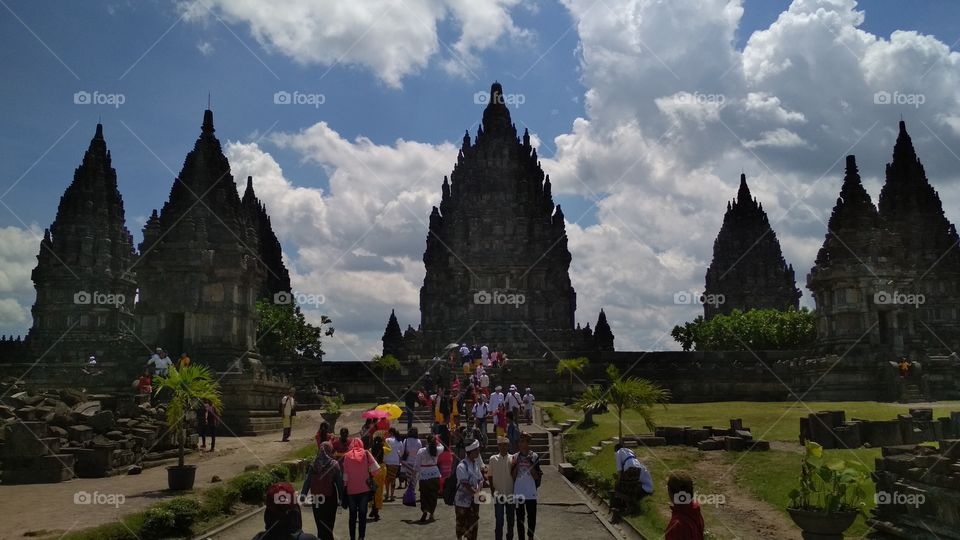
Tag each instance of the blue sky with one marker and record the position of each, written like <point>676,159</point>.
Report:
<point>164,58</point>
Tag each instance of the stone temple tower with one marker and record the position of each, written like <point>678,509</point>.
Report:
<point>497,263</point>
<point>748,270</point>
<point>84,275</point>
<point>199,271</point>
<point>277,278</point>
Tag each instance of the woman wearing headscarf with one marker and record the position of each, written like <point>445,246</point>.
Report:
<point>358,468</point>
<point>324,484</point>
<point>428,475</point>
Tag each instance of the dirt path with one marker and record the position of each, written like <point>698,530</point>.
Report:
<point>741,515</point>
<point>51,508</point>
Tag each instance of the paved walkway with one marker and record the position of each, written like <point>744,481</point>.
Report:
<point>51,507</point>
<point>561,514</point>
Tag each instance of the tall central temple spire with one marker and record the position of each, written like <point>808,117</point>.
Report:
<point>497,263</point>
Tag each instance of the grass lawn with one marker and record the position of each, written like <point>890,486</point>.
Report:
<point>765,476</point>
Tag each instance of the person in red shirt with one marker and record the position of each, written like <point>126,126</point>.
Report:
<point>686,521</point>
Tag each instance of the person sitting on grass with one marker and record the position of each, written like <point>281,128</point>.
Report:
<point>633,481</point>
<point>282,518</point>
<point>686,521</point>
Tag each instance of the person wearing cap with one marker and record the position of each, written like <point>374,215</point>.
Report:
<point>466,505</point>
<point>281,517</point>
<point>496,398</point>
<point>514,401</point>
<point>500,478</point>
<point>528,400</point>
<point>526,479</point>
<point>160,362</point>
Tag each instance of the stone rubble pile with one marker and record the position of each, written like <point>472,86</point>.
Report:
<point>830,429</point>
<point>918,492</point>
<point>708,438</point>
<point>58,435</point>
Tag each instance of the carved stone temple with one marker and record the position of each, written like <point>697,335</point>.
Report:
<point>888,278</point>
<point>748,270</point>
<point>84,276</point>
<point>497,263</point>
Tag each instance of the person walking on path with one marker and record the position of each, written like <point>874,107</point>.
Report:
<point>480,412</point>
<point>288,409</point>
<point>323,434</point>
<point>380,477</point>
<point>513,433</point>
<point>470,480</point>
<point>428,475</point>
<point>686,521</point>
<point>528,400</point>
<point>358,468</point>
<point>500,478</point>
<point>210,423</point>
<point>324,482</point>
<point>514,401</point>
<point>526,480</point>
<point>496,398</point>
<point>341,445</point>
<point>408,456</point>
<point>392,461</point>
<point>409,402</point>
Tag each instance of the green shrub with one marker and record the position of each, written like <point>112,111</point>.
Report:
<point>159,522</point>
<point>219,500</point>
<point>281,472</point>
<point>253,485</point>
<point>185,510</point>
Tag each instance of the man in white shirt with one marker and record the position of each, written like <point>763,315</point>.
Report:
<point>500,478</point>
<point>485,384</point>
<point>496,398</point>
<point>514,401</point>
<point>480,412</point>
<point>485,356</point>
<point>633,481</point>
<point>528,400</point>
<point>526,477</point>
<point>469,480</point>
<point>288,409</point>
<point>160,362</point>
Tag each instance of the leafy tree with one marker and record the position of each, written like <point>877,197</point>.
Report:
<point>284,331</point>
<point>386,363</point>
<point>188,387</point>
<point>623,394</point>
<point>757,329</point>
<point>572,366</point>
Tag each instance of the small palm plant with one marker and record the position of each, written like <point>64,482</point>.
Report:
<point>623,394</point>
<point>572,366</point>
<point>188,387</point>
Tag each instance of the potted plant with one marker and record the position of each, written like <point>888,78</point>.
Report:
<point>830,496</point>
<point>187,388</point>
<point>332,406</point>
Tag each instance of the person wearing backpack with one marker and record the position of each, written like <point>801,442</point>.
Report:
<point>500,478</point>
<point>526,480</point>
<point>324,484</point>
